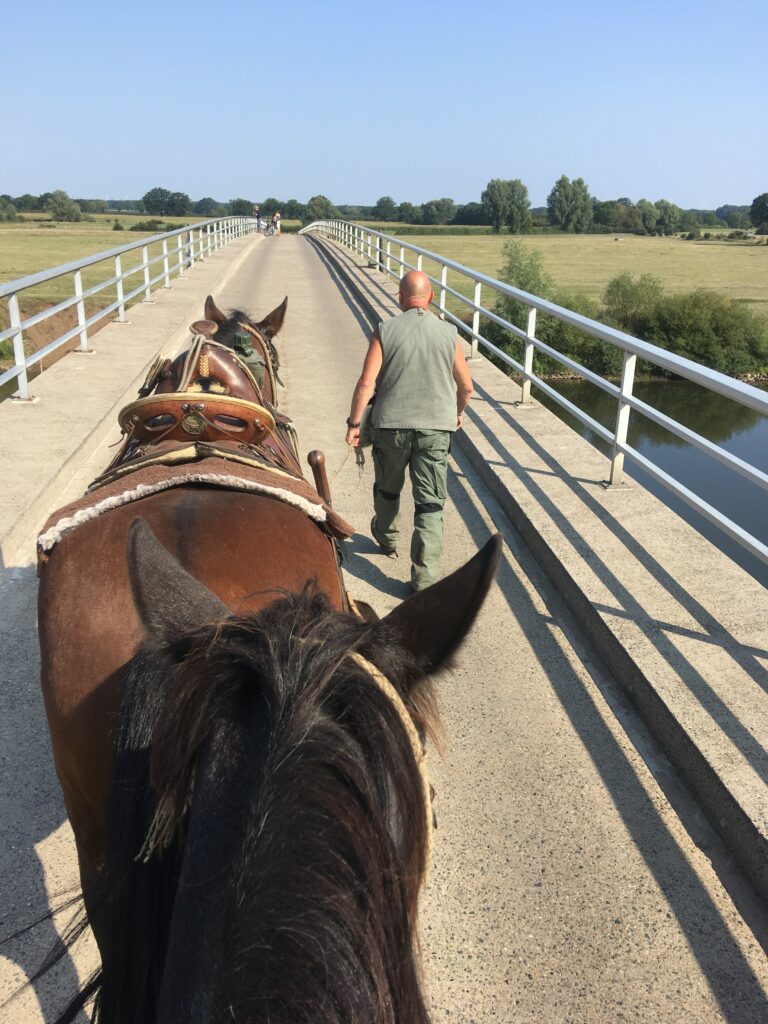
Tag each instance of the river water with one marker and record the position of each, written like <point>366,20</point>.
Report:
<point>740,431</point>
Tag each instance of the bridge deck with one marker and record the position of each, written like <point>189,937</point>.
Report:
<point>564,886</point>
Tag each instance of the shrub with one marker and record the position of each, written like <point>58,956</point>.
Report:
<point>8,211</point>
<point>629,304</point>
<point>149,225</point>
<point>117,226</point>
<point>712,329</point>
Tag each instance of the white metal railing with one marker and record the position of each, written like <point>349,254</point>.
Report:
<point>190,243</point>
<point>377,249</point>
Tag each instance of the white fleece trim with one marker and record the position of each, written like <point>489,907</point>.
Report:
<point>52,536</point>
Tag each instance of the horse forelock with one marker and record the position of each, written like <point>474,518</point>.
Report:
<point>320,902</point>
<point>227,331</point>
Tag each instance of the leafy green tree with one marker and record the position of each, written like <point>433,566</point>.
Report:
<point>569,204</point>
<point>156,201</point>
<point>27,203</point>
<point>61,207</point>
<point>470,213</point>
<point>270,206</point>
<point>208,207</point>
<point>648,215</point>
<point>320,208</point>
<point>669,216</point>
<point>293,210</point>
<point>407,213</point>
<point>758,211</point>
<point>179,204</point>
<point>689,221</point>
<point>8,211</point>
<point>438,211</point>
<point>630,304</point>
<point>518,212</point>
<point>385,209</point>
<point>242,208</point>
<point>92,205</point>
<point>739,220</point>
<point>496,201</point>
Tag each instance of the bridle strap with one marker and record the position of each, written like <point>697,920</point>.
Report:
<point>419,752</point>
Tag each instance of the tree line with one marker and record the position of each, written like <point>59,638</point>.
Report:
<point>504,204</point>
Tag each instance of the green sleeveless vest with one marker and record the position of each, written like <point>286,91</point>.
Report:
<point>415,389</point>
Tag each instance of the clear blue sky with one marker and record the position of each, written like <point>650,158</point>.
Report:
<point>358,100</point>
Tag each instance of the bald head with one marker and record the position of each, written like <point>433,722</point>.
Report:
<point>415,290</point>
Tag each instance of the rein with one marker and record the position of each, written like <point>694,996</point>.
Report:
<point>271,354</point>
<point>419,751</point>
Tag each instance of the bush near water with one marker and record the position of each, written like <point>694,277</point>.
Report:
<point>701,325</point>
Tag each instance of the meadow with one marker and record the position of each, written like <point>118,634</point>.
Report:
<point>35,243</point>
<point>577,263</point>
<point>586,263</point>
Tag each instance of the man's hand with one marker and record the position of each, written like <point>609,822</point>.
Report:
<point>459,420</point>
<point>353,437</point>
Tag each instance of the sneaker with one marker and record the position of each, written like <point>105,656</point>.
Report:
<point>389,551</point>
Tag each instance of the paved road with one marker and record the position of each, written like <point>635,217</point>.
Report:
<point>564,888</point>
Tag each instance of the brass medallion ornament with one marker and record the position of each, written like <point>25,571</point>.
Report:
<point>193,423</point>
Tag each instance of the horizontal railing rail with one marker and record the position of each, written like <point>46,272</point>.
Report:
<point>179,250</point>
<point>379,250</point>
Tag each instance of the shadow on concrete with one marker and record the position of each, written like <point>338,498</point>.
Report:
<point>732,981</point>
<point>343,290</point>
<point>368,569</point>
<point>31,805</point>
<point>712,632</point>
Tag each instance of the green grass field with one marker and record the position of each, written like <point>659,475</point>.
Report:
<point>586,263</point>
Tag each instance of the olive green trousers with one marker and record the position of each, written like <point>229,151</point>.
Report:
<point>424,453</point>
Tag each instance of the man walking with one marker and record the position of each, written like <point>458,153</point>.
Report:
<point>422,382</point>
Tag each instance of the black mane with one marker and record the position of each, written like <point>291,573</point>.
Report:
<point>280,880</point>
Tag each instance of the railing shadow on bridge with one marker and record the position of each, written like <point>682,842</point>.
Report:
<point>747,657</point>
<point>707,932</point>
<point>31,810</point>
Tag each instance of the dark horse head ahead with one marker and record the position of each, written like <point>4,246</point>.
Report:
<point>239,332</point>
<point>268,830</point>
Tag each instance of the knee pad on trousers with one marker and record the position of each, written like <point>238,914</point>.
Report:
<point>423,507</point>
<point>387,495</point>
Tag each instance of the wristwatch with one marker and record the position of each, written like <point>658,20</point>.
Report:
<point>351,424</point>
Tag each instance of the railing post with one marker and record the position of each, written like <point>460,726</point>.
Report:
<point>120,292</point>
<point>419,262</point>
<point>80,306</point>
<point>389,257</point>
<point>166,268</point>
<point>200,254</point>
<point>369,246</point>
<point>402,261</point>
<point>180,251</point>
<point>475,318</point>
<point>19,358</point>
<point>208,239</point>
<point>443,281</point>
<point>622,417</point>
<point>530,334</point>
<point>145,256</point>
<point>191,247</point>
<point>378,253</point>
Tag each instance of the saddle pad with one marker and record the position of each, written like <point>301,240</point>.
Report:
<point>211,472</point>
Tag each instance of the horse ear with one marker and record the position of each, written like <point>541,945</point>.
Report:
<point>212,312</point>
<point>272,323</point>
<point>168,599</point>
<point>433,623</point>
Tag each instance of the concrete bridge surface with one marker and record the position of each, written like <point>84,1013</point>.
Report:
<point>575,878</point>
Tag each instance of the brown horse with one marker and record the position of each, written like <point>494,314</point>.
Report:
<point>237,757</point>
<point>238,329</point>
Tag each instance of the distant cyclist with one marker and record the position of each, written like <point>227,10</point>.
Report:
<point>276,222</point>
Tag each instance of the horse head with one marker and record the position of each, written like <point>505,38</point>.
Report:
<point>287,808</point>
<point>238,330</point>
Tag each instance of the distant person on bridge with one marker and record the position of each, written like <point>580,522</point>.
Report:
<point>276,222</point>
<point>257,215</point>
<point>422,382</point>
